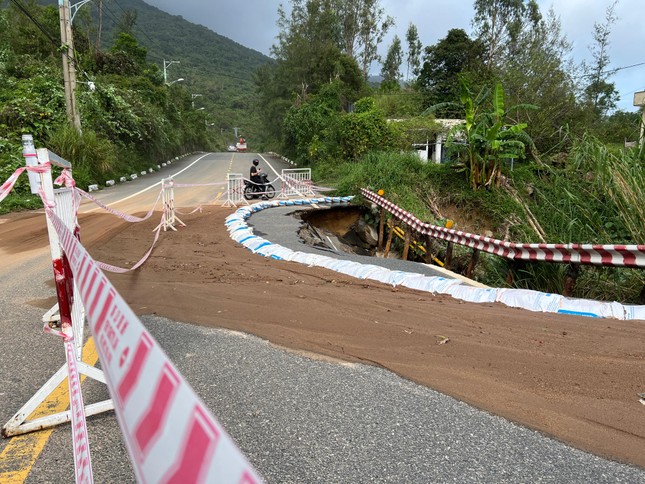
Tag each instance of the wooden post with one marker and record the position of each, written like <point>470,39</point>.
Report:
<point>448,261</point>
<point>406,245</point>
<point>429,255</point>
<point>389,240</point>
<point>472,264</point>
<point>570,278</point>
<point>381,227</point>
<point>510,275</point>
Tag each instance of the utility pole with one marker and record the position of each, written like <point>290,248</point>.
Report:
<point>69,71</point>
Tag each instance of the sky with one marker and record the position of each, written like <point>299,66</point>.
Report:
<point>252,23</point>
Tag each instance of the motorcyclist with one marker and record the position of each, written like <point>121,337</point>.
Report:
<point>254,175</point>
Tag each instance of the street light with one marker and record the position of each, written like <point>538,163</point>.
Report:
<point>193,96</point>
<point>181,79</point>
<point>74,8</point>
<point>166,65</point>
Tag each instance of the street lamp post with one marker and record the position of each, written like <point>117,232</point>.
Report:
<point>166,65</point>
<point>639,100</point>
<point>181,79</point>
<point>193,96</point>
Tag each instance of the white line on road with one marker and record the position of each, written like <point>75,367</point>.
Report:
<point>151,186</point>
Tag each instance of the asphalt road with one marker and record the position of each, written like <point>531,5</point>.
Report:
<point>298,419</point>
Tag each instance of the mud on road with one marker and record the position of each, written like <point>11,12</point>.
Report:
<point>574,378</point>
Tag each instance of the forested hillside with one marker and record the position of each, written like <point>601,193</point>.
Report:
<point>131,116</point>
<point>216,67</point>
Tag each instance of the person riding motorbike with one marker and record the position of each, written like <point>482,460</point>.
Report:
<point>254,175</point>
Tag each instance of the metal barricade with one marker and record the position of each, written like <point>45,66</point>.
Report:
<point>168,201</point>
<point>234,189</point>
<point>296,182</point>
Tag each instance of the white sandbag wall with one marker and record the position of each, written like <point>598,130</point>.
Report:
<point>519,298</point>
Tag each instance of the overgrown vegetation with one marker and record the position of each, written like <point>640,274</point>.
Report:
<point>131,119</point>
<point>525,163</point>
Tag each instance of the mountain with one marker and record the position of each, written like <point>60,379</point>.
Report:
<point>217,68</point>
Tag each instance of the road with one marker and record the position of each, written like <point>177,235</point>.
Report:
<point>297,418</point>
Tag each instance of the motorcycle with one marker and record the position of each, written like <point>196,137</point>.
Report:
<point>259,190</point>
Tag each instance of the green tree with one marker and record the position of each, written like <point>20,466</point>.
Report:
<point>374,26</point>
<point>444,64</point>
<point>497,24</point>
<point>363,25</point>
<point>414,51</point>
<point>391,69</point>
<point>308,57</point>
<point>363,130</point>
<point>600,94</point>
<point>309,127</point>
<point>538,70</point>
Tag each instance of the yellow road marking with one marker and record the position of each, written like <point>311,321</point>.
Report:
<point>219,195</point>
<point>20,454</point>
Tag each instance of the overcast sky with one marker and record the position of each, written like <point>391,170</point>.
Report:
<point>252,23</point>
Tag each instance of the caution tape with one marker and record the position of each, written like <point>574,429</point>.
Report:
<point>80,439</point>
<point>7,186</point>
<point>124,216</point>
<point>170,434</point>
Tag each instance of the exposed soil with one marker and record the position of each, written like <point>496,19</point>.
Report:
<point>574,378</point>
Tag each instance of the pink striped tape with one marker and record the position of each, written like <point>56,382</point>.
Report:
<point>121,270</point>
<point>80,440</point>
<point>170,434</point>
<point>124,216</point>
<point>588,254</point>
<point>9,183</point>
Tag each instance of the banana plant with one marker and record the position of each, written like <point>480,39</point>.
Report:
<point>486,137</point>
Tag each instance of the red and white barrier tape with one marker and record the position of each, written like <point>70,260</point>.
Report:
<point>124,216</point>
<point>191,185</point>
<point>127,218</point>
<point>169,433</point>
<point>7,186</point>
<point>80,439</point>
<point>588,254</point>
<point>121,270</point>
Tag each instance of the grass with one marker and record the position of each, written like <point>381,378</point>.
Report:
<point>595,196</point>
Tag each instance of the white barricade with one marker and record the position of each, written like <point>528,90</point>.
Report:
<point>234,189</point>
<point>169,218</point>
<point>66,319</point>
<point>296,182</point>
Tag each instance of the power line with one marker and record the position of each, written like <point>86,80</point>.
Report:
<point>628,67</point>
<point>47,34</point>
